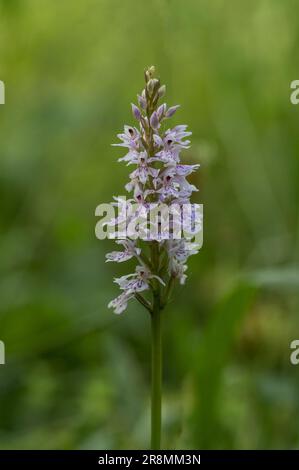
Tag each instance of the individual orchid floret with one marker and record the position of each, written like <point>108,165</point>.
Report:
<point>120,303</point>
<point>137,281</point>
<point>130,250</point>
<point>171,143</point>
<point>143,170</point>
<point>177,270</point>
<point>132,284</point>
<point>130,138</point>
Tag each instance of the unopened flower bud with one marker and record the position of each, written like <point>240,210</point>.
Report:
<point>170,112</point>
<point>142,101</point>
<point>162,91</point>
<point>136,112</point>
<point>154,121</point>
<point>150,72</point>
<point>161,110</point>
<point>151,85</point>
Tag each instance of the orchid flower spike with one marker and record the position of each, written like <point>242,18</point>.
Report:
<point>158,177</point>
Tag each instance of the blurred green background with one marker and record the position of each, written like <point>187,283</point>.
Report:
<point>77,376</point>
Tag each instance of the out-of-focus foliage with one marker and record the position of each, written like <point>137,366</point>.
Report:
<point>76,375</point>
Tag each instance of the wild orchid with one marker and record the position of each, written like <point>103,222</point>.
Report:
<point>151,222</point>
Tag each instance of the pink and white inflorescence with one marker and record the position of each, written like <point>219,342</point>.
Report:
<point>158,177</point>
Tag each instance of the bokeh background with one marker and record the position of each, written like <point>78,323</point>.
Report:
<point>76,375</point>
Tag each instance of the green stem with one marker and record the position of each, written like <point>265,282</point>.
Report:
<point>156,375</point>
<point>168,292</point>
<point>143,302</point>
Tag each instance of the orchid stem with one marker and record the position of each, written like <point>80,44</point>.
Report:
<point>168,292</point>
<point>143,302</point>
<point>156,375</point>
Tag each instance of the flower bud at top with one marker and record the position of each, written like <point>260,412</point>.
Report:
<point>150,72</point>
<point>151,85</point>
<point>154,121</point>
<point>136,112</point>
<point>170,112</point>
<point>162,91</point>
